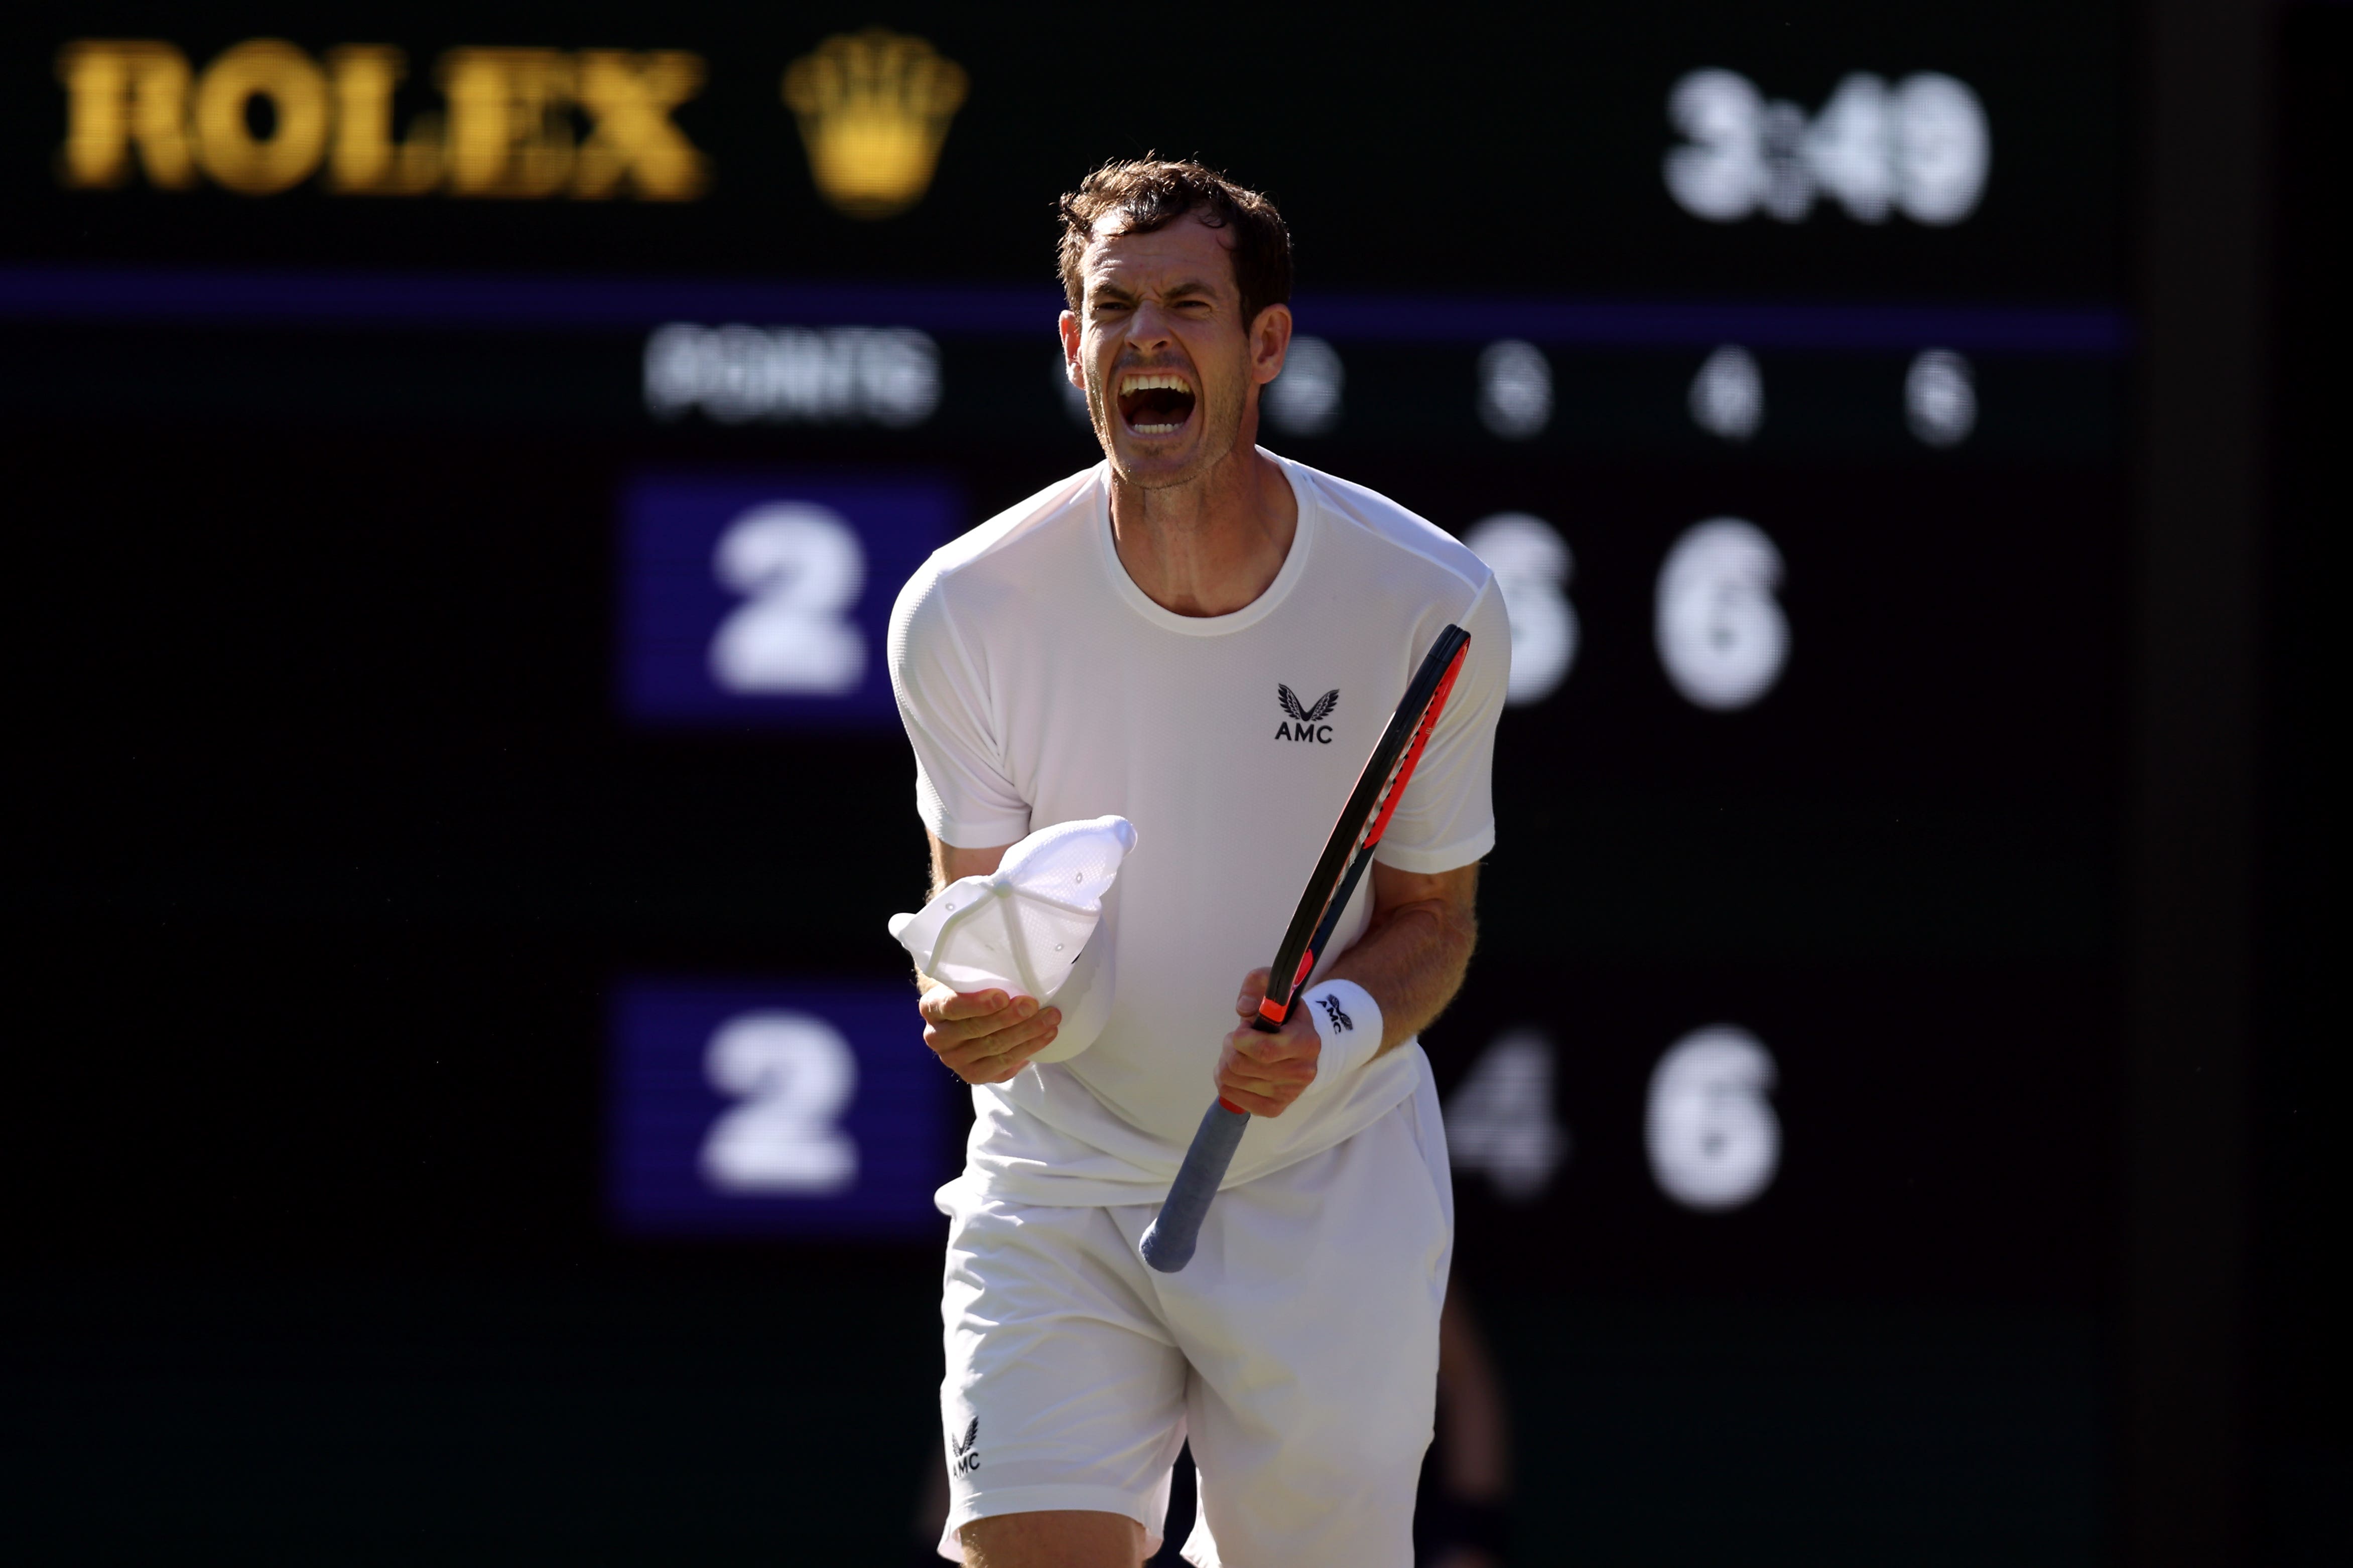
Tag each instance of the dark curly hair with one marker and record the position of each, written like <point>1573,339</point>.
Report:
<point>1152,193</point>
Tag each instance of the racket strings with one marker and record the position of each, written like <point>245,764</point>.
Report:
<point>1373,819</point>
<point>1282,989</point>
<point>1379,818</point>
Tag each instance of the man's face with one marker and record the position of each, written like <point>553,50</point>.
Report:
<point>1170,368</point>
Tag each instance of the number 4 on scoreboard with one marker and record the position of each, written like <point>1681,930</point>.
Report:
<point>1499,1121</point>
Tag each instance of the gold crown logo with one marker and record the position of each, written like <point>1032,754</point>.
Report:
<point>873,109</point>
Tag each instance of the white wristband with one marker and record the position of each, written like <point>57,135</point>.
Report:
<point>1348,1021</point>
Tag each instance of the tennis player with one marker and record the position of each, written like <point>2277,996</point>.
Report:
<point>1207,640</point>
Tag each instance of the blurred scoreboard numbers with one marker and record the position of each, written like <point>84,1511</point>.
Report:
<point>1934,1127</point>
<point>765,601</point>
<point>775,1109</point>
<point>1790,421</point>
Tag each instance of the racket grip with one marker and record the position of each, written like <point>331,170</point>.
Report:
<point>1169,1245</point>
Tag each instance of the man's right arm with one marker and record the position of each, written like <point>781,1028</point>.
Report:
<point>985,1037</point>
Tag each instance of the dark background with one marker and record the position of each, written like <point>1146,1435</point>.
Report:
<point>2304,1379</point>
<point>329,839</point>
<point>1542,130</point>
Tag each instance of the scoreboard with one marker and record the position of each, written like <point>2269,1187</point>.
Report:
<point>1777,366</point>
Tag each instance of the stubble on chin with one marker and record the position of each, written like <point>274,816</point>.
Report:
<point>1219,436</point>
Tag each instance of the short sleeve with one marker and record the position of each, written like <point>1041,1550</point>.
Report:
<point>1448,815</point>
<point>962,791</point>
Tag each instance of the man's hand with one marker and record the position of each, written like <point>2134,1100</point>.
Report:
<point>1265,1073</point>
<point>985,1037</point>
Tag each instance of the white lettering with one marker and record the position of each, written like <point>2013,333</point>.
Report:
<point>881,375</point>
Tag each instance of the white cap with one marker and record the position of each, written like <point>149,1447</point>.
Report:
<point>1025,928</point>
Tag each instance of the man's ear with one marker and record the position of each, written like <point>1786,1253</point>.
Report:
<point>1270,340</point>
<point>1070,339</point>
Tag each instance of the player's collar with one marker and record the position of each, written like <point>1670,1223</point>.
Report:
<point>1294,562</point>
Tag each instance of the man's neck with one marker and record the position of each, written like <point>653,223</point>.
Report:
<point>1211,547</point>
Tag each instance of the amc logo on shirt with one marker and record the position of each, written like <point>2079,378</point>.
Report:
<point>1304,721</point>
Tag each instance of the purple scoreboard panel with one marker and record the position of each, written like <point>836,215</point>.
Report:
<point>762,599</point>
<point>776,1108</point>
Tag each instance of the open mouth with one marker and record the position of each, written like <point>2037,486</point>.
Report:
<point>1156,405</point>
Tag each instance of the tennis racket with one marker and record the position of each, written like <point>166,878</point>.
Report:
<point>1169,1245</point>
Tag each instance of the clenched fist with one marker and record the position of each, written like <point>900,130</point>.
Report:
<point>1262,1074</point>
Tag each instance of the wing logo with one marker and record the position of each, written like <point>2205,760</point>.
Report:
<point>1304,721</point>
<point>965,1450</point>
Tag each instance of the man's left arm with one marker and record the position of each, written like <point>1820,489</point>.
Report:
<point>1410,961</point>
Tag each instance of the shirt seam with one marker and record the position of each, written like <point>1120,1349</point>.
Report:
<point>987,698</point>
<point>1477,587</point>
<point>1456,855</point>
<point>1258,610</point>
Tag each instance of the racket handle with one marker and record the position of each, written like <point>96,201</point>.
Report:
<point>1169,1245</point>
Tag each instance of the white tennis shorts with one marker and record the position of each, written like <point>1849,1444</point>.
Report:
<point>1299,1351</point>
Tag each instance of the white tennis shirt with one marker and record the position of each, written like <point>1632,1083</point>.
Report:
<point>1038,684</point>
